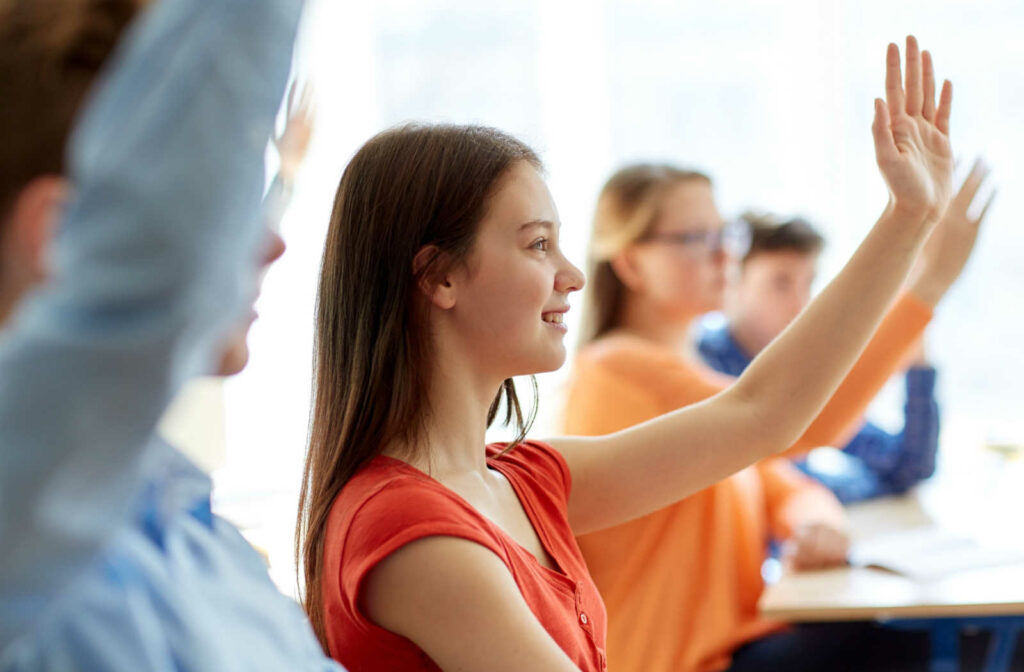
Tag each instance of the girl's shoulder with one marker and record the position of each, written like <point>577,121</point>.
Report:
<point>534,464</point>
<point>387,505</point>
<point>389,498</point>
<point>389,495</point>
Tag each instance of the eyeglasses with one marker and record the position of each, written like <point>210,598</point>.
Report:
<point>733,239</point>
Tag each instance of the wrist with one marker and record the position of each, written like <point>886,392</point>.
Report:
<point>911,214</point>
<point>927,289</point>
<point>903,228</point>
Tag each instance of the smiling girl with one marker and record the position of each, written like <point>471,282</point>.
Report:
<point>442,278</point>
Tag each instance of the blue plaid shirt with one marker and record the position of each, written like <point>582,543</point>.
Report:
<point>111,557</point>
<point>874,463</point>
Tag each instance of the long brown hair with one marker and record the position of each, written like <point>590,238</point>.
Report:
<point>408,188</point>
<point>627,208</point>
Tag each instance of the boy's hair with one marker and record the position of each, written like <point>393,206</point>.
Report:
<point>769,233</point>
<point>50,54</point>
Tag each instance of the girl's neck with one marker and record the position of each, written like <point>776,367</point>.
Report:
<point>454,433</point>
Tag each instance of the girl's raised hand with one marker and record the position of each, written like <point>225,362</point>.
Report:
<point>911,136</point>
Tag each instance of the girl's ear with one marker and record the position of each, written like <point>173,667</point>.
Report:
<point>437,288</point>
<point>626,266</point>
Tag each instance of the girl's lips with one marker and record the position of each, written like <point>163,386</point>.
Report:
<point>554,319</point>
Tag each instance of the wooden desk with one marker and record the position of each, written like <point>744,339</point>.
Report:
<point>862,594</point>
<point>855,593</point>
<point>991,598</point>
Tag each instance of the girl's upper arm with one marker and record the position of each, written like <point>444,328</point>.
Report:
<point>457,601</point>
<point>628,474</point>
<point>646,465</point>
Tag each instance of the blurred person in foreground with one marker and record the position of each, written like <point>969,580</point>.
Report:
<point>131,240</point>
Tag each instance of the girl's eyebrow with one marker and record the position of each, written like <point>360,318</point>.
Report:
<point>542,223</point>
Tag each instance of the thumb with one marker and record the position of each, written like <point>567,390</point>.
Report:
<point>885,145</point>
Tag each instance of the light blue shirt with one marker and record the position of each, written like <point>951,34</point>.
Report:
<point>110,558</point>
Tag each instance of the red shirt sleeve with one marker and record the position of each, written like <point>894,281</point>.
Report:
<point>540,463</point>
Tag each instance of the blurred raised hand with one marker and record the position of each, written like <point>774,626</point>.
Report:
<point>293,142</point>
<point>911,136</point>
<point>951,243</point>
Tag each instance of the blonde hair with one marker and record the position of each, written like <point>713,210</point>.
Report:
<point>628,206</point>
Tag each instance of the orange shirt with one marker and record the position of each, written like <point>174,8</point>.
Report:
<point>389,504</point>
<point>681,585</point>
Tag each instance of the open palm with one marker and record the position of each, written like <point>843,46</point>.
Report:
<point>911,134</point>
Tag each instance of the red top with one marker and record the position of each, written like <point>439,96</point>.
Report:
<point>389,504</point>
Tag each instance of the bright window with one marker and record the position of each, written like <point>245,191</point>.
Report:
<point>773,99</point>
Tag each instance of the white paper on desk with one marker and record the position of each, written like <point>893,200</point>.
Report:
<point>929,553</point>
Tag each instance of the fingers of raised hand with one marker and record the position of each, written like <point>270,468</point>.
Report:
<point>914,95</point>
<point>894,81</point>
<point>971,185</point>
<point>984,210</point>
<point>928,86</point>
<point>979,173</point>
<point>291,95</point>
<point>885,145</point>
<point>945,107</point>
<point>305,105</point>
<point>913,89</point>
<point>300,100</point>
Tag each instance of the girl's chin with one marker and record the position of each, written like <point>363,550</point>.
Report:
<point>545,364</point>
<point>555,362</point>
<point>553,367</point>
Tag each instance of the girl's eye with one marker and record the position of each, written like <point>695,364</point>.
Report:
<point>540,244</point>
